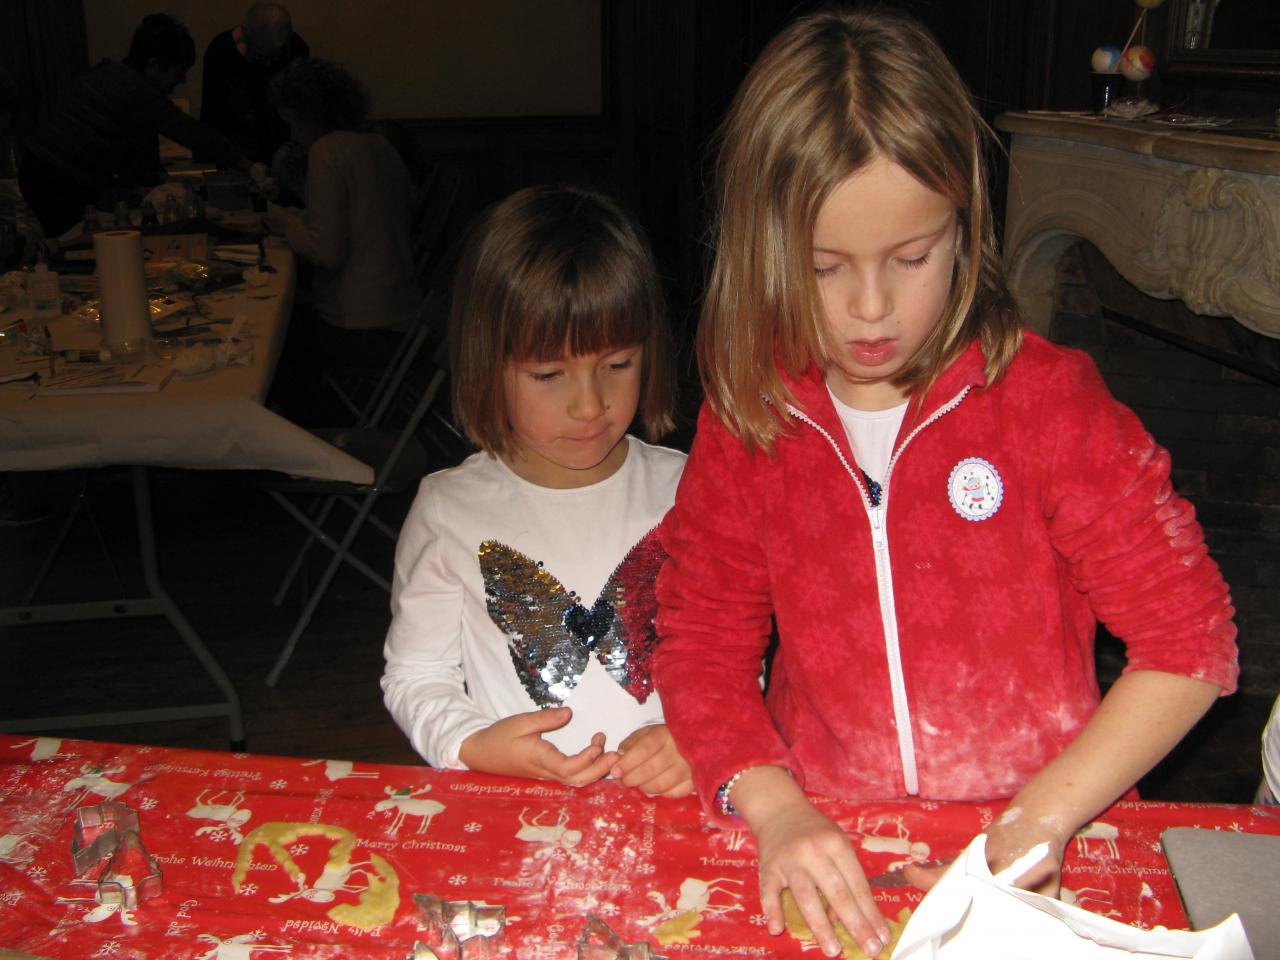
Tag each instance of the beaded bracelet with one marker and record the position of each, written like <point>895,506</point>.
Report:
<point>722,795</point>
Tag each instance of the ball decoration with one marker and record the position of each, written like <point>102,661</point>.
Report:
<point>1137,62</point>
<point>1106,59</point>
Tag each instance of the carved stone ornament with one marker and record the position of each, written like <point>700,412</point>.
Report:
<point>1215,240</point>
<point>1180,215</point>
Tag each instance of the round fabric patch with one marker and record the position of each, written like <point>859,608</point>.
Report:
<point>975,489</point>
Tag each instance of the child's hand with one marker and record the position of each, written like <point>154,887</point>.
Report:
<point>1011,835</point>
<point>651,763</point>
<point>513,746</point>
<point>802,850</point>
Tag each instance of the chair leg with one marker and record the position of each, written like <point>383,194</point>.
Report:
<point>80,504</point>
<point>321,516</point>
<point>340,553</point>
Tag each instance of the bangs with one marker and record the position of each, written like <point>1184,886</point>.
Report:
<point>594,309</point>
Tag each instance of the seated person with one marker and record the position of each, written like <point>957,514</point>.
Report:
<point>355,226</point>
<point>239,65</point>
<point>104,138</point>
<point>354,229</point>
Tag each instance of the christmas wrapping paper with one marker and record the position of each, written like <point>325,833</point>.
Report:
<point>266,856</point>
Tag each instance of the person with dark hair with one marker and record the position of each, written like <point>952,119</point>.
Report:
<point>104,138</point>
<point>519,643</point>
<point>355,225</point>
<point>239,65</point>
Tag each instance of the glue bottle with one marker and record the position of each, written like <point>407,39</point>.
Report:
<point>42,285</point>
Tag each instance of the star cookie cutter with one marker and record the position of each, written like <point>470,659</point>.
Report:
<point>110,831</point>
<point>459,929</point>
<point>598,942</point>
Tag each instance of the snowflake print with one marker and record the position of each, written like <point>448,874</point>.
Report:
<point>37,873</point>
<point>249,889</point>
<point>278,784</point>
<point>299,850</point>
<point>458,879</point>
<point>218,834</point>
<point>644,868</point>
<point>108,949</point>
<point>473,827</point>
<point>758,920</point>
<point>608,909</point>
<point>597,800</point>
<point>928,805</point>
<point>148,803</point>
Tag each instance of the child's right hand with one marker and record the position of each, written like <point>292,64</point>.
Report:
<point>514,747</point>
<point>801,849</point>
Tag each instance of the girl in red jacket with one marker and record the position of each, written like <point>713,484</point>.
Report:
<point>933,506</point>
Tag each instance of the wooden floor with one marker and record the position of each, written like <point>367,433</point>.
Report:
<point>223,547</point>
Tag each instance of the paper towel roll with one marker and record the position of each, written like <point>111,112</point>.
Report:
<point>122,291</point>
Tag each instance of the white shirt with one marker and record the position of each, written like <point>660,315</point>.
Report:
<point>355,229</point>
<point>871,434</point>
<point>459,613</point>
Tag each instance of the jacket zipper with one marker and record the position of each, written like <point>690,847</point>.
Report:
<point>884,585</point>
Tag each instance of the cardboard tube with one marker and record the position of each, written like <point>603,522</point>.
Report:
<point>122,291</point>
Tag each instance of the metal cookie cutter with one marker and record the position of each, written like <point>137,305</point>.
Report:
<point>598,942</point>
<point>131,874</point>
<point>459,929</point>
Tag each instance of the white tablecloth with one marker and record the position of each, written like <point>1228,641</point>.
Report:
<point>213,421</point>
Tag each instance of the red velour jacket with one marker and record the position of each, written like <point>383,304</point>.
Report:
<point>941,644</point>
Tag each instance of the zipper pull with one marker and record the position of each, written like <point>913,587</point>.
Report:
<point>877,526</point>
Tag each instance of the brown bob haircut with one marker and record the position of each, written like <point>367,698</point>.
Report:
<point>832,91</point>
<point>550,269</point>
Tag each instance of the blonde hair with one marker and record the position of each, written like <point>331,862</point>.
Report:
<point>547,269</point>
<point>829,93</point>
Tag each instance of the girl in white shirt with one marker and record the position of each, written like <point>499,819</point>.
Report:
<point>523,596</point>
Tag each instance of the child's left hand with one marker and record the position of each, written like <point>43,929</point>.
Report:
<point>651,763</point>
<point>1009,837</point>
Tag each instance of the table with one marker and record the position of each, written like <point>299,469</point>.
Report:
<point>322,857</point>
<point>213,421</point>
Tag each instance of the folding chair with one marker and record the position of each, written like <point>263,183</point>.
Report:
<point>432,221</point>
<point>399,459</point>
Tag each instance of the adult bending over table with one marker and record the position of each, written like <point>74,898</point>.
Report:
<point>354,228</point>
<point>104,139</point>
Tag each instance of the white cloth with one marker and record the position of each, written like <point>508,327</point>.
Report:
<point>971,915</point>
<point>1269,790</point>
<point>355,229</point>
<point>871,434</point>
<point>449,671</point>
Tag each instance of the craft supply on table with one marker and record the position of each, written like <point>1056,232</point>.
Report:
<point>107,378</point>
<point>122,284</point>
<point>46,295</point>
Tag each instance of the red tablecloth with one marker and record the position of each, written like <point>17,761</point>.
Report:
<point>276,856</point>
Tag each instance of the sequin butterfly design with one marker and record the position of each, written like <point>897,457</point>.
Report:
<point>552,636</point>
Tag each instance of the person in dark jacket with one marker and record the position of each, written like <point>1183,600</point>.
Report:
<point>238,66</point>
<point>103,141</point>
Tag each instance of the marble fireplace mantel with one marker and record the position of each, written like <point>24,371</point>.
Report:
<point>1181,214</point>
